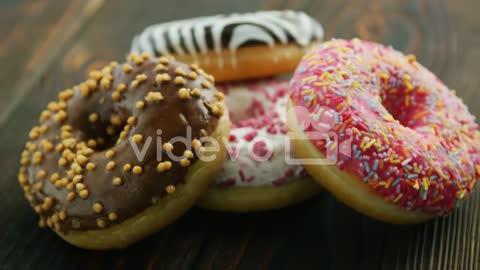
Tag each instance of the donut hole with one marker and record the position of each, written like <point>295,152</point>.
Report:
<point>104,132</point>
<point>398,102</point>
<point>107,139</point>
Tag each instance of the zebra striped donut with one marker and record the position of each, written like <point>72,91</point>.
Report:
<point>225,44</point>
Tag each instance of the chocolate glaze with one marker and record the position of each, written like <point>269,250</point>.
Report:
<point>172,116</point>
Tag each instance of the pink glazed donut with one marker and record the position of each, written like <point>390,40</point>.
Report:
<point>414,147</point>
<point>255,175</point>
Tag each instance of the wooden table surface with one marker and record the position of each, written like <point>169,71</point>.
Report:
<point>48,45</point>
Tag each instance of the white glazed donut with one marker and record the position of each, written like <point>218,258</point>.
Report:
<point>255,175</point>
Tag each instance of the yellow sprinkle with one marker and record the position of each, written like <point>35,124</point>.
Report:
<point>116,96</point>
<point>109,154</point>
<point>97,207</point>
<point>141,77</point>
<point>184,93</point>
<point>164,166</point>
<point>409,86</point>
<point>184,162</point>
<point>160,67</point>
<point>310,78</point>
<point>154,96</point>
<point>137,170</point>
<point>426,183</point>
<point>416,186</point>
<point>93,117</point>
<point>134,84</point>
<point>333,146</point>
<point>411,58</point>
<point>324,75</point>
<point>137,138</point>
<point>127,167</point>
<point>206,84</point>
<point>195,92</point>
<point>398,198</point>
<point>356,84</point>
<point>170,189</point>
<point>162,78</point>
<point>84,194</point>
<point>111,165</point>
<point>369,144</point>
<point>179,80</point>
<point>308,91</point>
<point>140,105</point>
<point>388,117</point>
<point>91,166</point>
<point>127,68</point>
<point>420,114</point>
<point>131,120</point>
<point>117,181</point>
<point>167,147</point>
<point>116,120</point>
<point>321,83</point>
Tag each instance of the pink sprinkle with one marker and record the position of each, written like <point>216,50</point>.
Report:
<point>228,182</point>
<point>260,149</point>
<point>272,130</point>
<point>280,181</point>
<point>245,179</point>
<point>284,129</point>
<point>250,136</point>
<point>242,175</point>
<point>289,172</point>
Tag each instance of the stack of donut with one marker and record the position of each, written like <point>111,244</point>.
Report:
<point>204,112</point>
<point>245,52</point>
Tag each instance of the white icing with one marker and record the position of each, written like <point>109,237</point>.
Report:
<point>188,38</point>
<point>199,31</point>
<point>242,170</point>
<point>217,29</point>
<point>160,42</point>
<point>175,35</point>
<point>300,34</point>
<point>264,26</point>
<point>240,36</point>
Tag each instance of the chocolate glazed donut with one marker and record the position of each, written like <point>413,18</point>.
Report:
<point>103,155</point>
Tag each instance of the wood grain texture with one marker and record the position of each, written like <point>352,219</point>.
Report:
<point>38,34</point>
<point>318,234</point>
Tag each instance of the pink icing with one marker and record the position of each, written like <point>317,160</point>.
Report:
<point>412,140</point>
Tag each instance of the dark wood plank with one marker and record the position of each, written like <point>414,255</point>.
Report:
<point>317,234</point>
<point>34,33</point>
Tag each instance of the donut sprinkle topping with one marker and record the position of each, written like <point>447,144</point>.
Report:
<point>412,140</point>
<point>80,170</point>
